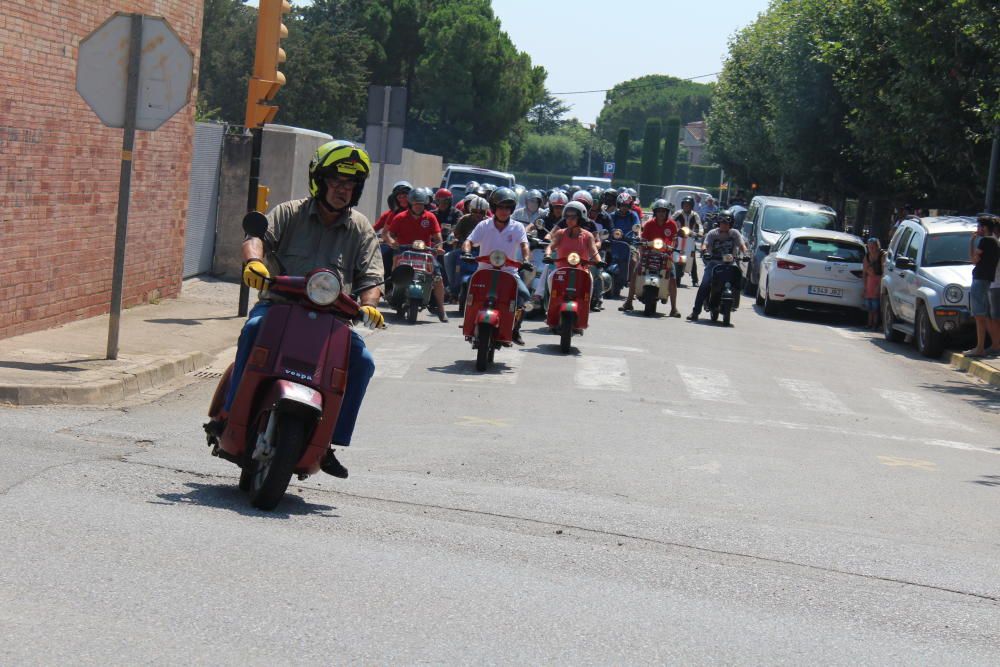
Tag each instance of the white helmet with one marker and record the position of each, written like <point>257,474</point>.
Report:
<point>578,207</point>
<point>478,204</point>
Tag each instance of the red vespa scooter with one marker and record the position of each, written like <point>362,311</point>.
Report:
<point>287,404</point>
<point>489,308</point>
<point>569,298</point>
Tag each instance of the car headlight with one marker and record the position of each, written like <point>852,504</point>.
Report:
<point>498,258</point>
<point>323,288</point>
<point>573,259</point>
<point>658,244</point>
<point>954,294</point>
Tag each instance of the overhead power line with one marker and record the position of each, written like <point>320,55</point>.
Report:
<point>636,85</point>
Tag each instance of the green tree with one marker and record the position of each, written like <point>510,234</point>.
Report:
<point>550,154</point>
<point>671,144</point>
<point>621,154</point>
<point>548,115</point>
<point>650,152</point>
<point>229,33</point>
<point>631,103</point>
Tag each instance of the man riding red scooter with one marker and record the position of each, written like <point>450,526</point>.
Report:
<point>327,250</point>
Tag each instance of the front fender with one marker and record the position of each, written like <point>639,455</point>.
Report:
<point>297,397</point>
<point>415,291</point>
<point>488,316</point>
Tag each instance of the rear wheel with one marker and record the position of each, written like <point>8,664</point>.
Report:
<point>269,478</point>
<point>412,310</point>
<point>930,343</point>
<point>649,296</point>
<point>566,332</point>
<point>889,321</point>
<point>726,314</point>
<point>771,307</point>
<point>484,346</point>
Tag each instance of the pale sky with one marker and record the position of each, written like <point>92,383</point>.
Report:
<point>586,45</point>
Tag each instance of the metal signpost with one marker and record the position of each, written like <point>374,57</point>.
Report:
<point>153,86</point>
<point>384,134</point>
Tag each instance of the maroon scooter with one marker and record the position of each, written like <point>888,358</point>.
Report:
<point>282,419</point>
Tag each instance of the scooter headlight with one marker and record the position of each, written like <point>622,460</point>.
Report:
<point>954,294</point>
<point>658,244</point>
<point>419,245</point>
<point>323,288</point>
<point>498,258</point>
<point>529,306</point>
<point>727,258</point>
<point>573,259</point>
<point>617,234</point>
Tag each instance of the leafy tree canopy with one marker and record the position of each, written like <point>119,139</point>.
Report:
<point>631,103</point>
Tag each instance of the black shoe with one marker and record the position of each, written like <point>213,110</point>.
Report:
<point>516,337</point>
<point>693,317</point>
<point>442,316</point>
<point>626,307</point>
<point>331,466</point>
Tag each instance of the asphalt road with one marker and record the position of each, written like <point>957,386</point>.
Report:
<point>783,492</point>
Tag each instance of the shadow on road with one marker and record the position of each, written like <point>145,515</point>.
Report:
<point>987,480</point>
<point>468,367</point>
<point>552,350</point>
<point>229,497</point>
<point>191,322</point>
<point>982,396</point>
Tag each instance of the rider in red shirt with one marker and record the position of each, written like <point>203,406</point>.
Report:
<point>660,226</point>
<point>418,224</point>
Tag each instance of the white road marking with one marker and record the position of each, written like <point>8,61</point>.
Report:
<point>602,373</point>
<point>812,395</point>
<point>838,430</point>
<point>618,348</point>
<point>393,361</point>
<point>705,384</point>
<point>850,334</point>
<point>915,407</point>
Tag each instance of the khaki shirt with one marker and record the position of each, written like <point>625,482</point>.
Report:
<point>348,247</point>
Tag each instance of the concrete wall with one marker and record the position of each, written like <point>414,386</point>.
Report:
<point>419,169</point>
<point>59,171</point>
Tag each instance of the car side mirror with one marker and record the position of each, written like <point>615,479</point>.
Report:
<point>255,225</point>
<point>765,248</point>
<point>904,263</point>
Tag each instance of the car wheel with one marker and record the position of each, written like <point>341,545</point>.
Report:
<point>771,307</point>
<point>930,342</point>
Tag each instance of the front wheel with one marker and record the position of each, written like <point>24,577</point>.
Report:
<point>930,343</point>
<point>412,310</point>
<point>270,478</point>
<point>649,296</point>
<point>566,332</point>
<point>889,322</point>
<point>484,346</point>
<point>727,312</point>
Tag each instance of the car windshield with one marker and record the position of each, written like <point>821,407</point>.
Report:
<point>463,177</point>
<point>828,250</point>
<point>947,249</point>
<point>777,219</point>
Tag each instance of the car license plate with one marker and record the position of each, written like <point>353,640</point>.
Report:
<point>826,291</point>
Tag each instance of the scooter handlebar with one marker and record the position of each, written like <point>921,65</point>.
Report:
<point>486,259</point>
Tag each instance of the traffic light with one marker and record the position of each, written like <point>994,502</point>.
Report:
<point>266,79</point>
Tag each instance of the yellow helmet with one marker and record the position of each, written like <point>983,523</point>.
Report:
<point>338,157</point>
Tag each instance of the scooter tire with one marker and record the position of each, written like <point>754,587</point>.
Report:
<point>412,310</point>
<point>726,314</point>
<point>484,346</point>
<point>268,485</point>
<point>649,296</point>
<point>566,323</point>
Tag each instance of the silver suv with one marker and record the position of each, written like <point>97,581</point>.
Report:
<point>926,283</point>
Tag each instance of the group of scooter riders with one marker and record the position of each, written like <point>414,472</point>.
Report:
<point>326,231</point>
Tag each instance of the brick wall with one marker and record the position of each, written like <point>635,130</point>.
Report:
<point>59,169</point>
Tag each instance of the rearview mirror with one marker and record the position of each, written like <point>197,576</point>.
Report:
<point>764,248</point>
<point>904,263</point>
<point>255,224</point>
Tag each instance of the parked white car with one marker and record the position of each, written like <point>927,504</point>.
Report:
<point>812,267</point>
<point>927,281</point>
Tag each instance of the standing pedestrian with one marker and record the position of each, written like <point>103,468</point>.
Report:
<point>872,267</point>
<point>985,254</point>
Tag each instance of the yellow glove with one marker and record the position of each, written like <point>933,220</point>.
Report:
<point>371,317</point>
<point>254,273</point>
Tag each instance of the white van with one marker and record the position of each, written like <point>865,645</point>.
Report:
<point>588,181</point>
<point>675,193</point>
<point>457,175</point>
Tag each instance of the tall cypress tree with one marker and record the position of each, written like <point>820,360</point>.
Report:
<point>621,155</point>
<point>650,152</point>
<point>671,144</point>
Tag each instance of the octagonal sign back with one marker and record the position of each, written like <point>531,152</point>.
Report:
<point>166,71</point>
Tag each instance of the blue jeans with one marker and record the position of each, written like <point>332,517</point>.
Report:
<point>361,367</point>
<point>522,291</point>
<point>705,287</point>
<point>451,271</point>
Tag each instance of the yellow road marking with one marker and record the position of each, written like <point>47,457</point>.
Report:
<point>480,421</point>
<point>799,348</point>
<point>895,462</point>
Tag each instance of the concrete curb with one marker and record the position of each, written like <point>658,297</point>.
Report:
<point>127,383</point>
<point>977,368</point>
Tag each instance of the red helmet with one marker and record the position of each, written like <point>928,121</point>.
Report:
<point>443,194</point>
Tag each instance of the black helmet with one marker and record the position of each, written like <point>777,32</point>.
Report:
<point>502,196</point>
<point>661,204</point>
<point>609,197</point>
<point>420,196</point>
<point>724,217</point>
<point>688,200</point>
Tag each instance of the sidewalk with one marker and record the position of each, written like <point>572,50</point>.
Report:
<point>984,369</point>
<point>157,344</point>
